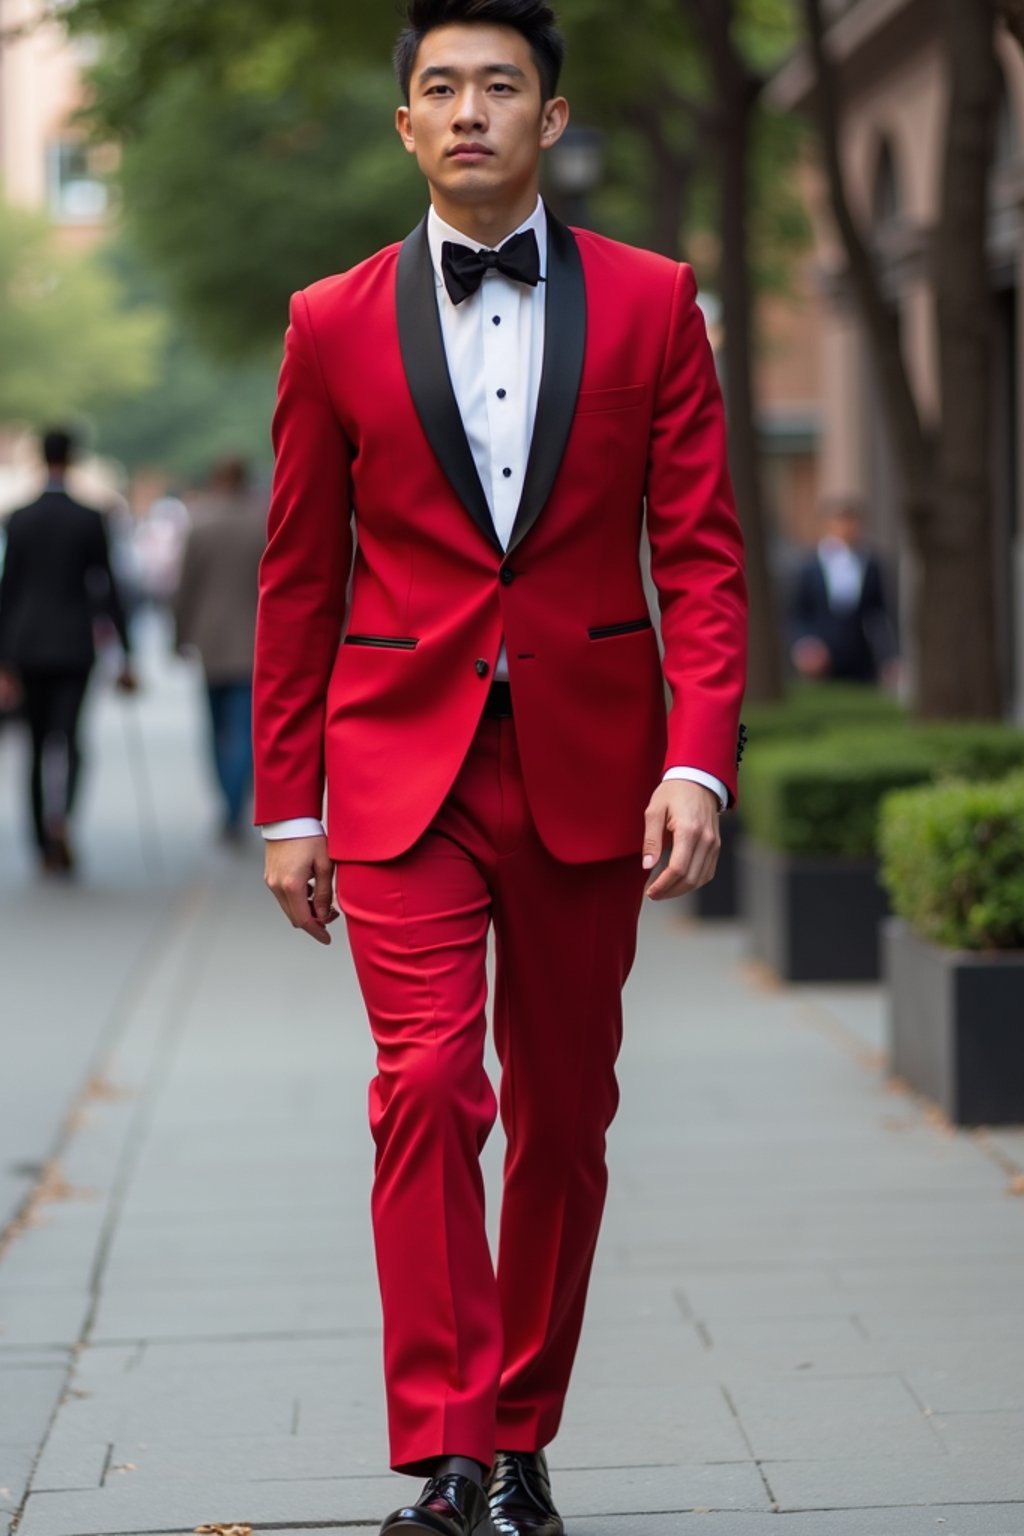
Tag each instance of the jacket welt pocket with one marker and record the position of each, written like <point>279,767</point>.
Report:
<point>384,642</point>
<point>609,631</point>
<point>621,399</point>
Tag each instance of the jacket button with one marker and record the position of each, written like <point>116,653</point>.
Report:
<point>507,576</point>
<point>482,668</point>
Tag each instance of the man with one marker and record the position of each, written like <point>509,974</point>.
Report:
<point>56,582</point>
<point>490,404</point>
<point>215,614</point>
<point>840,620</point>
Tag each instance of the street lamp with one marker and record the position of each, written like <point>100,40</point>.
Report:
<point>576,168</point>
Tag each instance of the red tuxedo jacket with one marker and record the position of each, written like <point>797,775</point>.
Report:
<point>374,477</point>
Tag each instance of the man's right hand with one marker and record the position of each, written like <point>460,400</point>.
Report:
<point>301,876</point>
<point>10,689</point>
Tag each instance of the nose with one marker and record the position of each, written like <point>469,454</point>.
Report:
<point>470,111</point>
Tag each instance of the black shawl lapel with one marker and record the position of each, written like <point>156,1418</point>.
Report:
<point>426,370</point>
<point>565,339</point>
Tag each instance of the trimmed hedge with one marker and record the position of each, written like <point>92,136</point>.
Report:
<point>953,861</point>
<point>809,709</point>
<point>821,795</point>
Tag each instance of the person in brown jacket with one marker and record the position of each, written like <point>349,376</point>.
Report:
<point>215,615</point>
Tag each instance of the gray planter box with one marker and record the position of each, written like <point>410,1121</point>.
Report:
<point>720,898</point>
<point>956,1026</point>
<point>812,919</point>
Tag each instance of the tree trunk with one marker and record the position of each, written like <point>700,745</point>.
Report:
<point>736,92</point>
<point>960,675</point>
<point>672,172</point>
<point>944,474</point>
<point>1012,12</point>
<point>766,635</point>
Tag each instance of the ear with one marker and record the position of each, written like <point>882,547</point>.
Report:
<point>403,123</point>
<point>554,121</point>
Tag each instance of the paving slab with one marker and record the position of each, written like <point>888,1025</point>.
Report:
<point>949,1520</point>
<point>858,1416</point>
<point>15,1469</point>
<point>26,1403</point>
<point>37,1316</point>
<point>894,1480</point>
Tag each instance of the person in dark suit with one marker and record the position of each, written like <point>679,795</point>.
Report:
<point>840,622</point>
<point>56,582</point>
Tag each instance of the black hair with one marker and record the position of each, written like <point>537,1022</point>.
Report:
<point>533,18</point>
<point>59,447</point>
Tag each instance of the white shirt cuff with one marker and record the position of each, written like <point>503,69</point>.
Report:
<point>298,826</point>
<point>698,776</point>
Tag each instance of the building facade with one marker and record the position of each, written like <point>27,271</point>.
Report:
<point>45,162</point>
<point>894,92</point>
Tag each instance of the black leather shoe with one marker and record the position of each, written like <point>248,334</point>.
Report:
<point>448,1506</point>
<point>519,1493</point>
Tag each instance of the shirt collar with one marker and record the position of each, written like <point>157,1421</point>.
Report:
<point>438,232</point>
<point>831,548</point>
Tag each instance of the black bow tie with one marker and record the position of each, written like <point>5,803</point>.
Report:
<point>463,268</point>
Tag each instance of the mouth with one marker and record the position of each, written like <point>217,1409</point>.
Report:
<point>470,152</point>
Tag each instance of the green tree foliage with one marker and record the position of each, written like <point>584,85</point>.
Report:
<point>260,151</point>
<point>197,407</point>
<point>240,199</point>
<point>66,346</point>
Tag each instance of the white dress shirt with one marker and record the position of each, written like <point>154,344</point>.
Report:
<point>843,568</point>
<point>494,344</point>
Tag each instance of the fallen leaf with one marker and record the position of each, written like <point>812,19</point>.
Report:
<point>1016,1185</point>
<point>99,1088</point>
<point>223,1530</point>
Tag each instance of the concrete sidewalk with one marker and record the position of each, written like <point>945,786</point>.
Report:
<point>808,1310</point>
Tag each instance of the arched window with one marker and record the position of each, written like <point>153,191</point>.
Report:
<point>885,193</point>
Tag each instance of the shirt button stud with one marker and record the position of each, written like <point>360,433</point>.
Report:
<point>496,319</point>
<point>482,668</point>
<point>507,473</point>
<point>502,393</point>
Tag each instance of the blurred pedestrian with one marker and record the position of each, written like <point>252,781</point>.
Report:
<point>57,581</point>
<point>475,424</point>
<point>215,615</point>
<point>840,623</point>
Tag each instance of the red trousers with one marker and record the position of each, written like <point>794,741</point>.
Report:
<point>477,1356</point>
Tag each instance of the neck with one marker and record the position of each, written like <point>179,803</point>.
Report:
<point>486,223</point>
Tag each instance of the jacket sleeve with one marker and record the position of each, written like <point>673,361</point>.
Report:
<point>183,602</point>
<point>878,620</point>
<point>805,611</point>
<point>696,549</point>
<point>104,586</point>
<point>8,586</point>
<point>303,576</point>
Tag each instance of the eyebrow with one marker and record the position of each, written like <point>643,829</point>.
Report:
<point>446,71</point>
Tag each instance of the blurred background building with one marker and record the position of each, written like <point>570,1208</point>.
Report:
<point>46,160</point>
<point>894,92</point>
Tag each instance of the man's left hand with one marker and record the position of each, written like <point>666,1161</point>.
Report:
<point>686,813</point>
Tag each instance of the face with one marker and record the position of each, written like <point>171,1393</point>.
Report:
<point>845,524</point>
<point>476,120</point>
